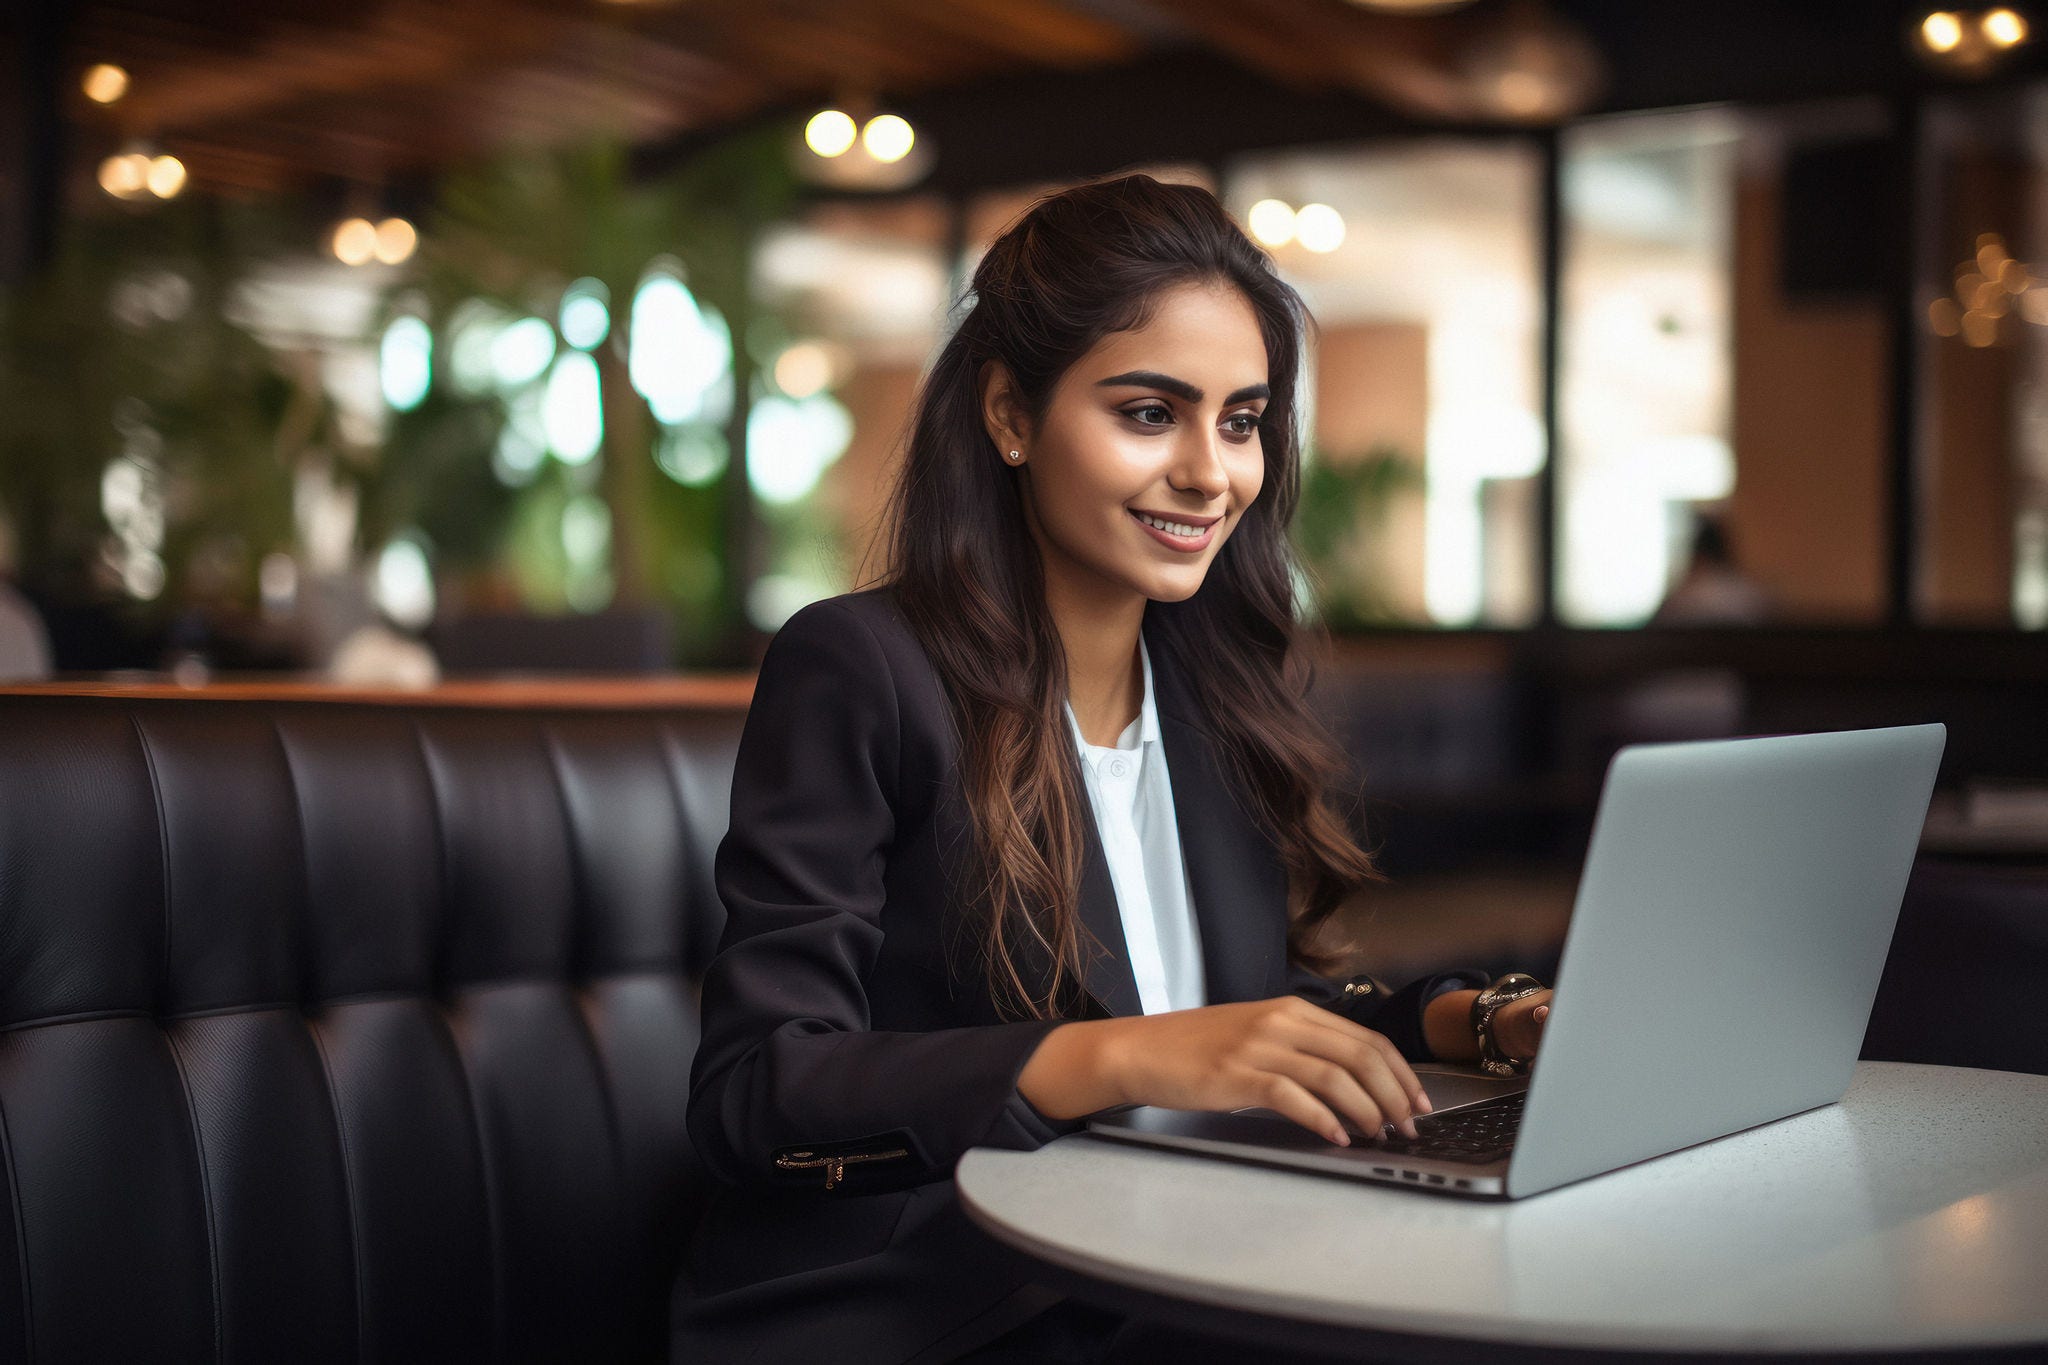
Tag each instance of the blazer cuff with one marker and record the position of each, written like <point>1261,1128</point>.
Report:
<point>1018,1125</point>
<point>1399,1016</point>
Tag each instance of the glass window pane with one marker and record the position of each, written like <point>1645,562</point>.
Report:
<point>1724,409</point>
<point>1983,362</point>
<point>1418,259</point>
<point>858,292</point>
<point>1645,374</point>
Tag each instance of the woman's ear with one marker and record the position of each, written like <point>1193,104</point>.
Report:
<point>1002,413</point>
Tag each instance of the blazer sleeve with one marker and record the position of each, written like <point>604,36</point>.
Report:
<point>788,1064</point>
<point>1397,1014</point>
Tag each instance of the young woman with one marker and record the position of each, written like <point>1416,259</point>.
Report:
<point>1042,823</point>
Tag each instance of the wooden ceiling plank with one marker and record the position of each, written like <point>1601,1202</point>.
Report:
<point>789,58</point>
<point>1029,31</point>
<point>1403,60</point>
<point>1262,38</point>
<point>399,46</point>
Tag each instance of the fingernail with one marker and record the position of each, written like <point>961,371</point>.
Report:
<point>1422,1103</point>
<point>1408,1128</point>
<point>1542,1010</point>
<point>1340,1137</point>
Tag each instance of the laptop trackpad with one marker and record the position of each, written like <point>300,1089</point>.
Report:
<point>1453,1089</point>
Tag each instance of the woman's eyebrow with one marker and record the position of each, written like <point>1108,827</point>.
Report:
<point>1152,379</point>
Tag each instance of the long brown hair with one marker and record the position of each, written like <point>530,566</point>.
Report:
<point>1077,266</point>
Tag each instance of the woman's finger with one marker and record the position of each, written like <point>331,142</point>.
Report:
<point>1351,1029</point>
<point>1366,1068</point>
<point>1290,1099</point>
<point>1331,1083</point>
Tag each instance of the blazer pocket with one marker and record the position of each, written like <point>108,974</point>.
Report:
<point>878,1161</point>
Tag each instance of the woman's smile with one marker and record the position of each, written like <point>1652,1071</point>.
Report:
<point>1173,539</point>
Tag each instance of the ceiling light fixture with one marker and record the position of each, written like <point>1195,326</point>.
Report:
<point>849,146</point>
<point>134,173</point>
<point>105,83</point>
<point>1317,227</point>
<point>1970,42</point>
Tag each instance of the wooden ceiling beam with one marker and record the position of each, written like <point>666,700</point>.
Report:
<point>789,54</point>
<point>1043,34</point>
<point>1265,39</point>
<point>1408,62</point>
<point>399,45</point>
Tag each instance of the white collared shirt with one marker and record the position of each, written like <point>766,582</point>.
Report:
<point>1132,796</point>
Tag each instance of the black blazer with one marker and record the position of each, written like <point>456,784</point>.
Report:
<point>837,1038</point>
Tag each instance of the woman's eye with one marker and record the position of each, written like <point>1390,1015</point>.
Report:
<point>1250,417</point>
<point>1149,407</point>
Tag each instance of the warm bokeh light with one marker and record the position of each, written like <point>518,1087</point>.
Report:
<point>1941,31</point>
<point>124,177</point>
<point>2004,27</point>
<point>830,132</point>
<point>395,241</point>
<point>355,241</point>
<point>887,137</point>
<point>105,83</point>
<point>803,369</point>
<point>1523,94</point>
<point>1989,285</point>
<point>166,176</point>
<point>1271,222</point>
<point>1319,227</point>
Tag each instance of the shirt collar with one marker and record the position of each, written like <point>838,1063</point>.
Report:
<point>1148,713</point>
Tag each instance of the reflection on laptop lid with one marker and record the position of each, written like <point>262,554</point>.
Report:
<point>1732,921</point>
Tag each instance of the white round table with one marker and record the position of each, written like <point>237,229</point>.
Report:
<point>1912,1216</point>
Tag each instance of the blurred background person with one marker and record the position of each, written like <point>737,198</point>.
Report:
<point>1713,590</point>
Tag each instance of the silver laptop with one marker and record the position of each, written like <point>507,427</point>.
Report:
<point>1732,921</point>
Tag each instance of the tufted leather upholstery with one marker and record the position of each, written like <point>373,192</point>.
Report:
<point>351,1032</point>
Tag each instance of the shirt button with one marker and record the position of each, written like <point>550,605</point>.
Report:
<point>1117,767</point>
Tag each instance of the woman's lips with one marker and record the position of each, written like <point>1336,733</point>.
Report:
<point>1185,544</point>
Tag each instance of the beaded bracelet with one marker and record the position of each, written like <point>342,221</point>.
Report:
<point>1513,986</point>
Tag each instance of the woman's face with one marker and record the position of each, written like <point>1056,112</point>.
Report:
<point>1162,420</point>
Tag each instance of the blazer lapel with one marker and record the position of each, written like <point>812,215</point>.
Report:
<point>1236,881</point>
<point>1235,877</point>
<point>1110,979</point>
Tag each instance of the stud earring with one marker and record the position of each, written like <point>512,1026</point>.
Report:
<point>1016,454</point>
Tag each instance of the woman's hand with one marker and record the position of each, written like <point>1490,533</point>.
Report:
<point>1518,1025</point>
<point>1306,1063</point>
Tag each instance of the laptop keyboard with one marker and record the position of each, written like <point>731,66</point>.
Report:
<point>1476,1133</point>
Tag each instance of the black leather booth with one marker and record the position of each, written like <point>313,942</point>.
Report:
<point>349,1031</point>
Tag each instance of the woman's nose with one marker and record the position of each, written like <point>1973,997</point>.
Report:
<point>1200,466</point>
